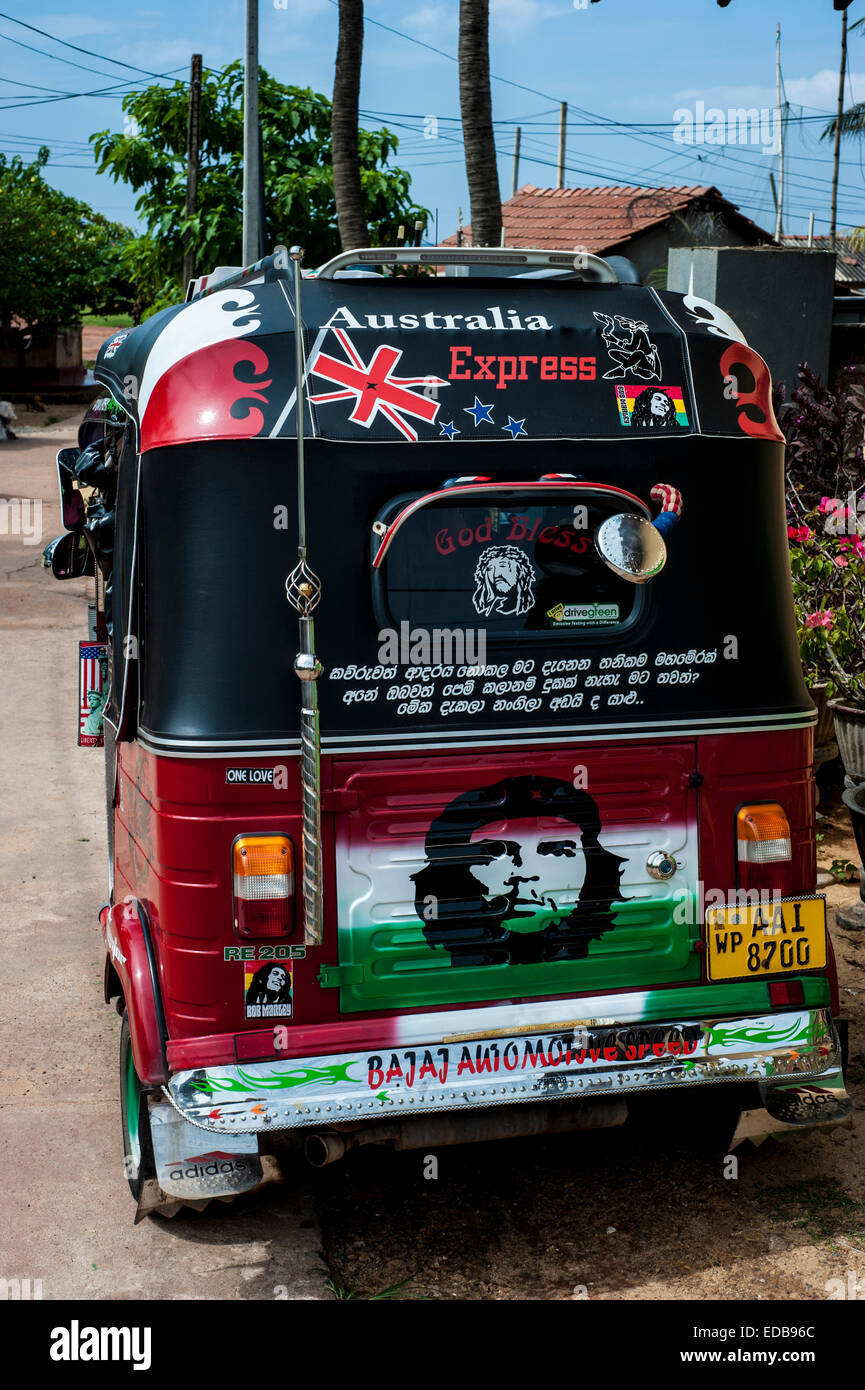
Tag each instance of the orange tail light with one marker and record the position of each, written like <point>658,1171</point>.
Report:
<point>764,847</point>
<point>263,868</point>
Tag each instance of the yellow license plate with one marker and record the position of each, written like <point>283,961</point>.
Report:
<point>768,938</point>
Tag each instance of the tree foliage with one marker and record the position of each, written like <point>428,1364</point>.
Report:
<point>58,257</point>
<point>150,156</point>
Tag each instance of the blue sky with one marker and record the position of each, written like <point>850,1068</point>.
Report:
<point>637,62</point>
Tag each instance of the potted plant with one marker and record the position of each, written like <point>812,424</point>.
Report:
<point>824,430</point>
<point>829,596</point>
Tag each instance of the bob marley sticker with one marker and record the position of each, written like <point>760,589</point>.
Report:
<point>516,874</point>
<point>504,577</point>
<point>629,346</point>
<point>267,990</point>
<point>652,407</point>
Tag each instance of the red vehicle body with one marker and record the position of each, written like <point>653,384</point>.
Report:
<point>400,974</point>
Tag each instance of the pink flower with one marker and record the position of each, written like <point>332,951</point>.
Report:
<point>822,618</point>
<point>798,533</point>
<point>854,543</point>
<point>841,562</point>
<point>828,504</point>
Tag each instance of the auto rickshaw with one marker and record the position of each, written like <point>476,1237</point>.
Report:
<point>459,760</point>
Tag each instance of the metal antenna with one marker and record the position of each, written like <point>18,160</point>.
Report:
<point>303,590</point>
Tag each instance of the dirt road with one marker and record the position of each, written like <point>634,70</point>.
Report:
<point>65,1210</point>
<point>648,1211</point>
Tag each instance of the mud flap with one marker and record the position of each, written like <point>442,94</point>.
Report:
<point>194,1167</point>
<point>792,1109</point>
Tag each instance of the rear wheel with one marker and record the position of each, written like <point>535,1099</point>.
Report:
<point>137,1144</point>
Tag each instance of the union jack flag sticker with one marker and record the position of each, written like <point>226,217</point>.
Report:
<point>373,388</point>
<point>92,692</point>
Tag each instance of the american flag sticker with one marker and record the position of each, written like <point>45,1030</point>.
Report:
<point>92,692</point>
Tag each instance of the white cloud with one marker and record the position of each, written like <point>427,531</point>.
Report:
<point>511,19</point>
<point>819,91</point>
<point>432,23</point>
<point>72,26</point>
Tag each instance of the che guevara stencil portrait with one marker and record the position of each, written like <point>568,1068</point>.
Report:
<point>485,893</point>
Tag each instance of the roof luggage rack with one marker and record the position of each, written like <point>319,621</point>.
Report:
<point>576,262</point>
<point>275,266</point>
<point>272,267</point>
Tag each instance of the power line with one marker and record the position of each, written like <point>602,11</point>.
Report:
<point>117,89</point>
<point>45,54</point>
<point>90,54</point>
<point>628,129</point>
<point>807,184</point>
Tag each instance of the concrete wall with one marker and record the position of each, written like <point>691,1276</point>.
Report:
<point>44,355</point>
<point>780,298</point>
<point>649,249</point>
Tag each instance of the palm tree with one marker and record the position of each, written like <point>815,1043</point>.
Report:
<point>477,119</point>
<point>344,126</point>
<point>851,122</point>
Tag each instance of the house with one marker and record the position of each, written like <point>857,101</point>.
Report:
<point>849,261</point>
<point>848,318</point>
<point>640,223</point>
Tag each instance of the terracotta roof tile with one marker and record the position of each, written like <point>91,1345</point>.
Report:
<point>555,219</point>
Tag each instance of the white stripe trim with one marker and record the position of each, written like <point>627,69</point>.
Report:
<point>366,743</point>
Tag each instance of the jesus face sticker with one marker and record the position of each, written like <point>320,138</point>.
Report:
<point>516,873</point>
<point>504,579</point>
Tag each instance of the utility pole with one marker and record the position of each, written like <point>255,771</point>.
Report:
<point>516,160</point>
<point>193,142</point>
<point>251,161</point>
<point>837,150</point>
<point>779,220</point>
<point>563,121</point>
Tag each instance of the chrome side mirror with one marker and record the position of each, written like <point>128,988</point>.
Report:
<point>71,500</point>
<point>631,547</point>
<point>69,556</point>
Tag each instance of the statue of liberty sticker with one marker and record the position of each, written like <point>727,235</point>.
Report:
<point>92,692</point>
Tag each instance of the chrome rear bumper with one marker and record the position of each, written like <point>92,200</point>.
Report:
<point>780,1051</point>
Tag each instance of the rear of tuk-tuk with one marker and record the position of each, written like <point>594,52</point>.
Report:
<point>534,830</point>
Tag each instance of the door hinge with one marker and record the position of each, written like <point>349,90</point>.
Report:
<point>345,799</point>
<point>337,976</point>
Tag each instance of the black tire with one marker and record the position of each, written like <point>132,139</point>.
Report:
<point>137,1144</point>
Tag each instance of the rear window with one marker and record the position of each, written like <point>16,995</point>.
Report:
<point>510,565</point>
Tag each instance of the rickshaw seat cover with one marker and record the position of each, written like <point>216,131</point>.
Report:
<point>405,360</point>
<point>125,935</point>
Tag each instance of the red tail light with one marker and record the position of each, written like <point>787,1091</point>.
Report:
<point>764,848</point>
<point>263,867</point>
<point>786,993</point>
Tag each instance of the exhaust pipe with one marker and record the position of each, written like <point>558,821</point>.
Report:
<point>324,1148</point>
<point>455,1127</point>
